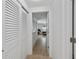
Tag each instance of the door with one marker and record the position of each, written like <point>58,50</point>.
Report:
<point>10,30</point>
<point>68,27</point>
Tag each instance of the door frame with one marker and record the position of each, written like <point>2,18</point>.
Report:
<point>47,40</point>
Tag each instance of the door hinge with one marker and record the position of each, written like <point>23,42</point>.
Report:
<point>72,39</point>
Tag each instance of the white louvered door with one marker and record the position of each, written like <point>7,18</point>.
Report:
<point>10,29</point>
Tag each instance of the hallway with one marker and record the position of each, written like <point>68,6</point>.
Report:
<point>39,52</point>
<point>37,29</point>
<point>38,49</point>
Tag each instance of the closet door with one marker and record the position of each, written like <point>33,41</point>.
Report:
<point>68,30</point>
<point>10,39</point>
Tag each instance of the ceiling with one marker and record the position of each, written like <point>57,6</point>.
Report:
<point>40,15</point>
<point>38,3</point>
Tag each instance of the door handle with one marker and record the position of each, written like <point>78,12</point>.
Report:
<point>2,50</point>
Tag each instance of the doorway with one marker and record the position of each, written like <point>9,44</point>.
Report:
<point>40,33</point>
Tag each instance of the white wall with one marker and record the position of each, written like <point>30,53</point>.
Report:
<point>26,32</point>
<point>26,35</point>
